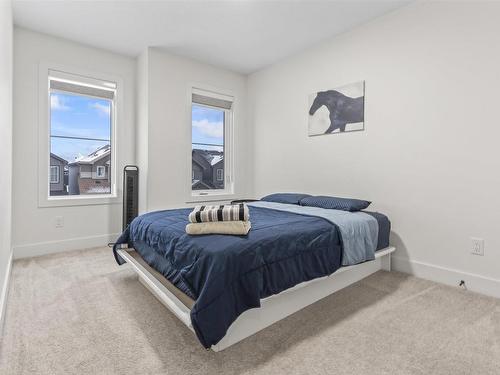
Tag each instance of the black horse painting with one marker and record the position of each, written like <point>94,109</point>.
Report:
<point>343,109</point>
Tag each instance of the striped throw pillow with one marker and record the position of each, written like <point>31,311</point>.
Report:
<point>230,212</point>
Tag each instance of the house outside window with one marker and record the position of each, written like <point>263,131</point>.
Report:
<point>81,122</point>
<point>211,124</point>
<point>58,175</point>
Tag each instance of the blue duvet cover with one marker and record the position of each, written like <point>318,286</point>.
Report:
<point>227,275</point>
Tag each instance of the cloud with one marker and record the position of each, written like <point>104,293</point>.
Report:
<point>103,109</point>
<point>58,104</point>
<point>209,129</point>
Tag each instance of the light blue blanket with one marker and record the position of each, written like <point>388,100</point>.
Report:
<point>359,231</point>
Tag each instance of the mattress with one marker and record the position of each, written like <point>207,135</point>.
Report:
<point>384,229</point>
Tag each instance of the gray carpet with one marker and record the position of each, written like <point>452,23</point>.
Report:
<point>79,313</point>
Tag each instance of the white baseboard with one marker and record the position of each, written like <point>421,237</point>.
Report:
<point>448,276</point>
<point>50,247</point>
<point>5,294</point>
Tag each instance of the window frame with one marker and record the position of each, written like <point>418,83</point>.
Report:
<point>229,115</point>
<point>83,76</point>
<point>58,169</point>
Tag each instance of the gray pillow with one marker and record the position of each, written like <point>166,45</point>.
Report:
<point>335,203</point>
<point>288,198</point>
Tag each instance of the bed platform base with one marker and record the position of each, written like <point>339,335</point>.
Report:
<point>273,308</point>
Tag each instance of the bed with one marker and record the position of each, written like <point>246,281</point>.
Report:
<point>226,288</point>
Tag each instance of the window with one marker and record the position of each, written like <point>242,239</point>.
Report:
<point>220,174</point>
<point>211,124</point>
<point>54,174</point>
<point>81,122</point>
<point>101,171</point>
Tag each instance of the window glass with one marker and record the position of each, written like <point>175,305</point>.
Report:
<point>208,124</point>
<point>80,139</point>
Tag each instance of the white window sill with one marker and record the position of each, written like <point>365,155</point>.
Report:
<point>212,197</point>
<point>82,200</point>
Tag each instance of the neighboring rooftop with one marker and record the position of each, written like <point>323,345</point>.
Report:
<point>52,155</point>
<point>216,158</point>
<point>94,156</point>
<point>198,184</point>
<point>211,156</point>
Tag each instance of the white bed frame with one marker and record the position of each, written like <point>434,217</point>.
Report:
<point>273,308</point>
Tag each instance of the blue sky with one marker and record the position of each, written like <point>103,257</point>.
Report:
<point>208,126</point>
<point>78,116</point>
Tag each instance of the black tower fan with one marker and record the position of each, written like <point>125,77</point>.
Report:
<point>130,194</point>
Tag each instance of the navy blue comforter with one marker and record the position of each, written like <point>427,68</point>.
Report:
<point>228,275</point>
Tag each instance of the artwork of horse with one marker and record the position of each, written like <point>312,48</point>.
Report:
<point>342,109</point>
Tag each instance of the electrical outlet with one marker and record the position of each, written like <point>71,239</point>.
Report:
<point>477,246</point>
<point>59,221</point>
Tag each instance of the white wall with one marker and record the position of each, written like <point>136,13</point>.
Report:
<point>165,155</point>
<point>429,157</point>
<point>5,148</point>
<point>34,230</point>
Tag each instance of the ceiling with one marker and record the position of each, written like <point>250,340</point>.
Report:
<point>243,36</point>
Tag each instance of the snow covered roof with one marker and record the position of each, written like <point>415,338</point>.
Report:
<point>94,156</point>
<point>197,183</point>
<point>212,157</point>
<point>216,159</point>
